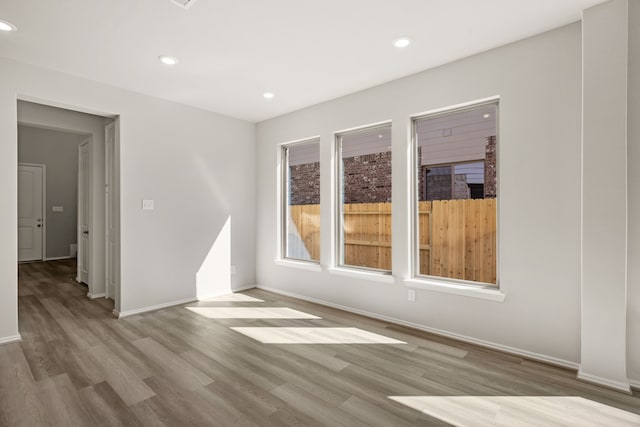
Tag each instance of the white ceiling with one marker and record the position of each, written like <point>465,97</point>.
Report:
<point>231,51</point>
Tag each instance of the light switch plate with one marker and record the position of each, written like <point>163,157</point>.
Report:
<point>234,270</point>
<point>411,295</point>
<point>147,205</point>
<point>57,208</point>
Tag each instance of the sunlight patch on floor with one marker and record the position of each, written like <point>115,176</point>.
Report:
<point>298,335</point>
<point>233,298</point>
<point>250,313</point>
<point>467,411</point>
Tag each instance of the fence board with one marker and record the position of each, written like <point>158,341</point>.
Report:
<point>367,235</point>
<point>457,238</point>
<point>424,236</point>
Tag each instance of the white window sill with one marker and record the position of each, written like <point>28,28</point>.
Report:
<point>309,266</point>
<point>363,275</point>
<point>453,288</point>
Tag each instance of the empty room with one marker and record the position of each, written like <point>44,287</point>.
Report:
<point>335,213</point>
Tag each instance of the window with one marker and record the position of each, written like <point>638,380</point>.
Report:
<point>364,190</point>
<point>301,204</point>
<point>455,224</point>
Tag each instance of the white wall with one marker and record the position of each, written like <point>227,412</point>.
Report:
<point>8,212</point>
<point>633,171</point>
<point>93,126</point>
<point>196,165</point>
<point>604,210</point>
<point>539,84</point>
<point>58,151</point>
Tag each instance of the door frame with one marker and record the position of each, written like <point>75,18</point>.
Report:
<point>111,205</point>
<point>44,207</point>
<point>89,213</point>
<point>53,125</point>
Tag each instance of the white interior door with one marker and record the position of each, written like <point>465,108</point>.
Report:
<point>30,212</point>
<point>111,213</point>
<point>84,212</point>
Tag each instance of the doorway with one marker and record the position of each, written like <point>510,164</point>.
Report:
<point>79,219</point>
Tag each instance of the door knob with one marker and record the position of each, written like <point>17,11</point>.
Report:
<point>39,225</point>
<point>84,232</point>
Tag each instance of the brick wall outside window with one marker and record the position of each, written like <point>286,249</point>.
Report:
<point>490,180</point>
<point>304,184</point>
<point>368,179</point>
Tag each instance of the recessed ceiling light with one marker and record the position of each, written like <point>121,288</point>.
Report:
<point>7,26</point>
<point>401,42</point>
<point>168,60</point>
<point>269,95</point>
<point>486,116</point>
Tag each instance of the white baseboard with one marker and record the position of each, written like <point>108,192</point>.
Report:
<point>58,258</point>
<point>243,288</point>
<point>94,296</point>
<point>624,387</point>
<point>488,344</point>
<point>121,314</point>
<point>634,383</point>
<point>218,294</point>
<point>11,339</point>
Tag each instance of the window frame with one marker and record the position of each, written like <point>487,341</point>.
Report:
<point>426,280</point>
<point>284,201</point>
<point>453,165</point>
<point>338,198</point>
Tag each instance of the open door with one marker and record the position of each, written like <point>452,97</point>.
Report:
<point>84,212</point>
<point>30,212</point>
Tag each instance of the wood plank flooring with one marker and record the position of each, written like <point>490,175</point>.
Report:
<point>78,366</point>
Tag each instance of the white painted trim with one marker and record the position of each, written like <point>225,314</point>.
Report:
<point>363,275</point>
<point>127,313</point>
<point>81,261</point>
<point>219,294</point>
<point>309,265</point>
<point>363,127</point>
<point>488,100</point>
<point>243,288</point>
<point>94,296</point>
<point>624,387</point>
<point>112,214</point>
<point>58,258</point>
<point>453,288</point>
<point>634,383</point>
<point>11,339</point>
<point>482,343</point>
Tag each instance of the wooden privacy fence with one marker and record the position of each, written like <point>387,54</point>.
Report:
<point>367,235</point>
<point>457,238</point>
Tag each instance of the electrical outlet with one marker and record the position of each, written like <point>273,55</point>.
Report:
<point>147,205</point>
<point>411,295</point>
<point>233,269</point>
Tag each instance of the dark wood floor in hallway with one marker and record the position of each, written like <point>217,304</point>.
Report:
<point>261,359</point>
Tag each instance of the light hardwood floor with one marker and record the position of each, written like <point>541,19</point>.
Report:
<point>79,366</point>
